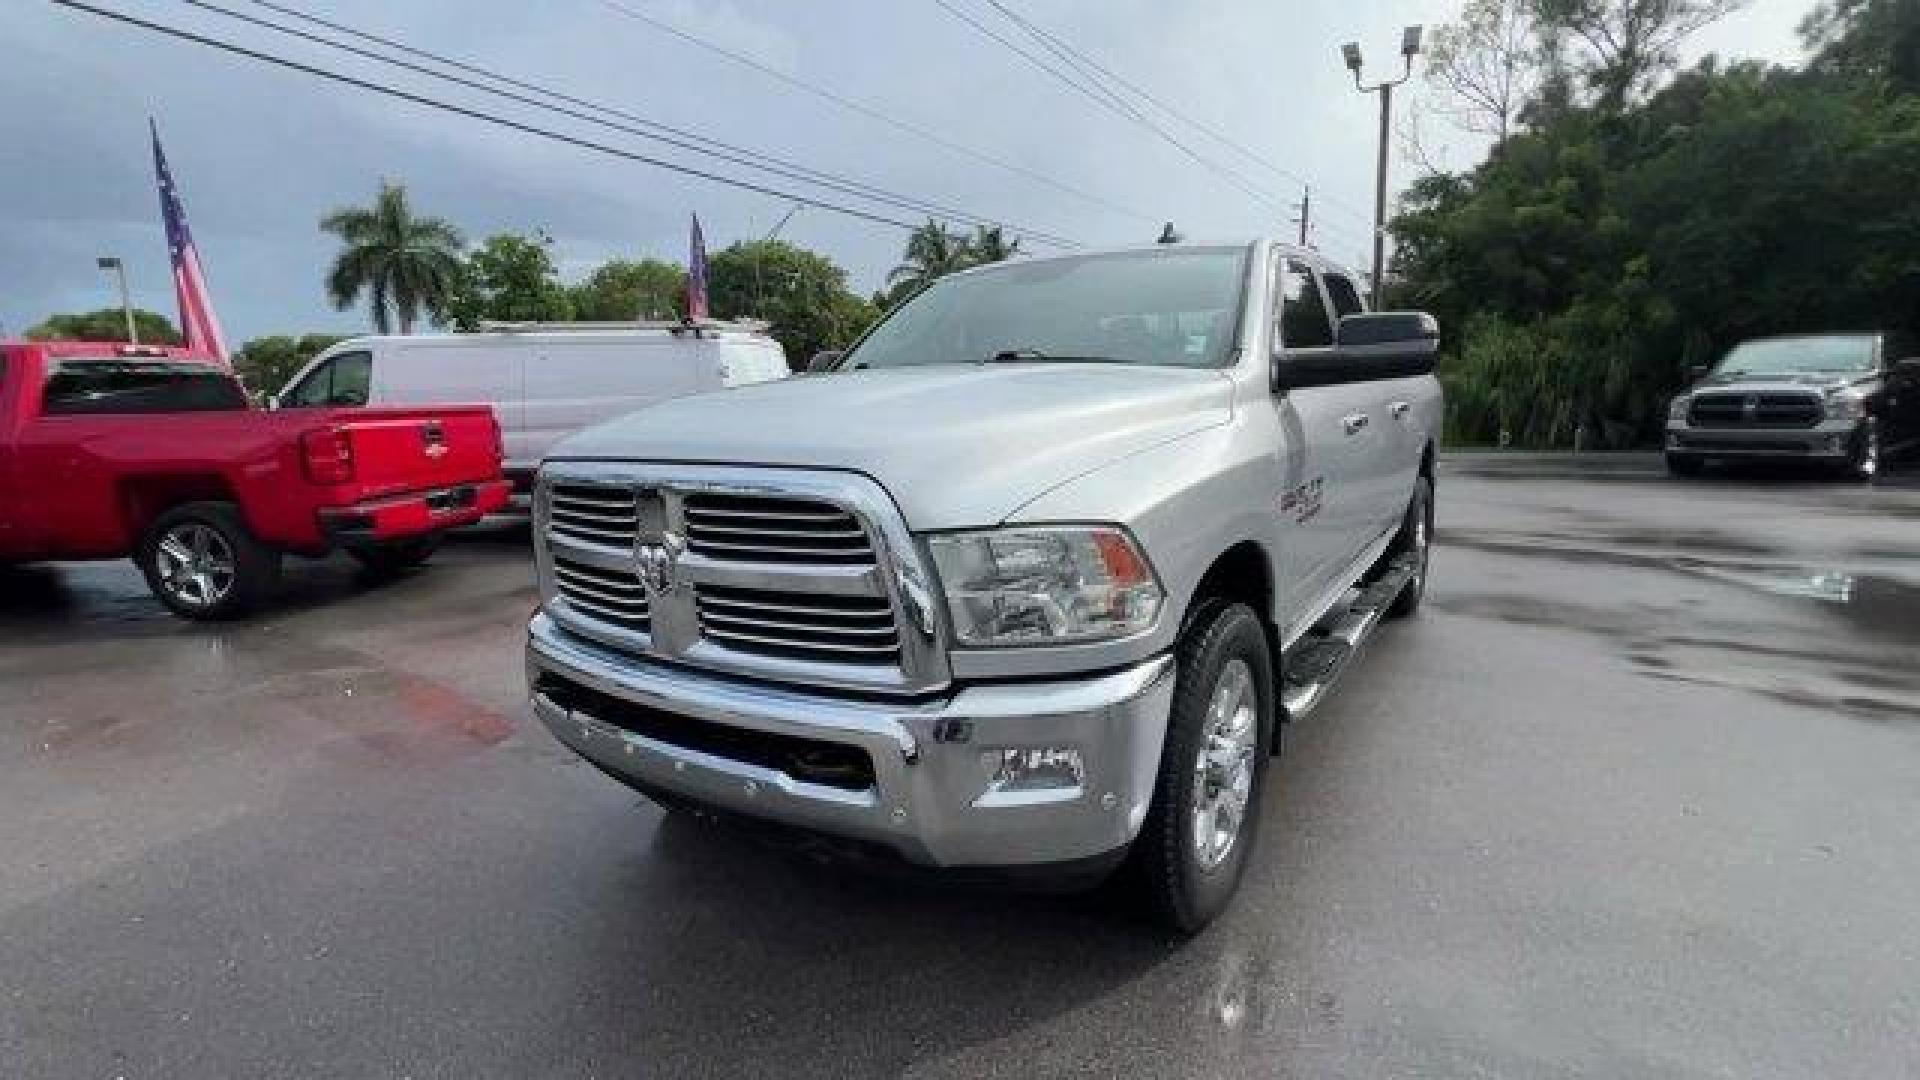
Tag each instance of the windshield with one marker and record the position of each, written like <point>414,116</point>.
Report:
<point>1789,355</point>
<point>1175,308</point>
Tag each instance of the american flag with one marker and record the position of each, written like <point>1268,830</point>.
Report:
<point>697,275</point>
<point>197,322</point>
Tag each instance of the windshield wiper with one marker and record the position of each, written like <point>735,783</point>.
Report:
<point>1035,356</point>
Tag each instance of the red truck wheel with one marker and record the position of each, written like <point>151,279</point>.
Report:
<point>202,563</point>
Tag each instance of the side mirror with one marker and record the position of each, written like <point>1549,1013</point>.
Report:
<point>1380,345</point>
<point>1911,365</point>
<point>1696,372</point>
<point>825,360</point>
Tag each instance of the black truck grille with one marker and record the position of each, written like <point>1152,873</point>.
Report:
<point>1778,411</point>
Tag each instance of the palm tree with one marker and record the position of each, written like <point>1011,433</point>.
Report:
<point>990,245</point>
<point>404,264</point>
<point>932,253</point>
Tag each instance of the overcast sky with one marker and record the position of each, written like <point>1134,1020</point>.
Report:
<point>260,153</point>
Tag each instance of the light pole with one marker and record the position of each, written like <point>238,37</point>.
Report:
<point>113,263</point>
<point>1409,48</point>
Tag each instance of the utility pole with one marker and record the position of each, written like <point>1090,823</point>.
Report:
<point>1305,217</point>
<point>1409,48</point>
<point>760,254</point>
<point>113,263</point>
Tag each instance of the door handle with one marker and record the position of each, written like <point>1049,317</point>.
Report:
<point>1354,424</point>
<point>1399,408</point>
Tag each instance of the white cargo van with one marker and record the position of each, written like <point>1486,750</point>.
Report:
<point>544,381</point>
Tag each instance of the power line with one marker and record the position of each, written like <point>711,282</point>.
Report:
<point>699,144</point>
<point>1091,88</point>
<point>1042,34</point>
<point>481,115</point>
<point>1122,110</point>
<point>872,113</point>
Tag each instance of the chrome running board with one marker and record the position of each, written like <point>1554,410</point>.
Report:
<point>1316,661</point>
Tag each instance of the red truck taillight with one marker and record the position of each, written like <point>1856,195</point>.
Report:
<point>328,455</point>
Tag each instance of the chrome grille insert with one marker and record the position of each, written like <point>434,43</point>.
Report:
<point>612,596</point>
<point>608,516</point>
<point>806,626</point>
<point>792,575</point>
<point>755,528</point>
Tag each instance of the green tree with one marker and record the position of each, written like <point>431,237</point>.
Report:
<point>932,253</point>
<point>264,364</point>
<point>509,278</point>
<point>106,324</point>
<point>801,293</point>
<point>620,289</point>
<point>990,245</point>
<point>1626,44</point>
<point>405,265</point>
<point>1606,247</point>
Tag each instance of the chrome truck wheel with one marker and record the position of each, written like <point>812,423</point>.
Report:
<point>197,565</point>
<point>202,563</point>
<point>1205,817</point>
<point>1223,769</point>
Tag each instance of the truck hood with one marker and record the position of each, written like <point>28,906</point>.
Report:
<point>1823,381</point>
<point>956,446</point>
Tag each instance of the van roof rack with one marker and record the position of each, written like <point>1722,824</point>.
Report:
<point>699,328</point>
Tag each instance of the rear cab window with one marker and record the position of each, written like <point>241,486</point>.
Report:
<point>1304,322</point>
<point>1346,299</point>
<point>94,386</point>
<point>345,380</point>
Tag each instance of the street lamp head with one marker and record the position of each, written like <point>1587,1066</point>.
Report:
<point>1351,51</point>
<point>1410,41</point>
<point>107,262</point>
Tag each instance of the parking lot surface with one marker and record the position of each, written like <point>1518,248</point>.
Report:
<point>1636,794</point>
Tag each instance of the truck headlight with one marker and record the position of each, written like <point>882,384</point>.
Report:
<point>1846,407</point>
<point>1045,585</point>
<point>1677,410</point>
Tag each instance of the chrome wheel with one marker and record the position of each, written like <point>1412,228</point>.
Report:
<point>197,566</point>
<point>1223,770</point>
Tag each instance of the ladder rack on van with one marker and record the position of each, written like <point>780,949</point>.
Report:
<point>701,328</point>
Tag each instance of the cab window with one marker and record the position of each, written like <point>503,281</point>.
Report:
<point>1346,299</point>
<point>1304,323</point>
<point>342,381</point>
<point>77,386</point>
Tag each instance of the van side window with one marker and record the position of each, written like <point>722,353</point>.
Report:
<point>1346,300</point>
<point>1304,323</point>
<point>343,381</point>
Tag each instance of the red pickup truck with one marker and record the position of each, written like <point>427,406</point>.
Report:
<point>109,451</point>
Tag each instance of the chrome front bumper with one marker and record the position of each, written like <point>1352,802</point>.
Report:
<point>929,800</point>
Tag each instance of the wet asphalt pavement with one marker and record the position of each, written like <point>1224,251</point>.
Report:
<point>1636,795</point>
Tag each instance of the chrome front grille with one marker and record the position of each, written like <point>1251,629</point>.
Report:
<point>593,514</point>
<point>780,574</point>
<point>804,626</point>
<point>756,528</point>
<point>612,596</point>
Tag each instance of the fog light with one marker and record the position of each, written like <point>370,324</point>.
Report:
<point>1032,768</point>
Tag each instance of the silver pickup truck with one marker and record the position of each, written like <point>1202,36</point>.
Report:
<point>1026,583</point>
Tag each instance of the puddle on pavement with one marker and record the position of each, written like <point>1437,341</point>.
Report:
<point>1860,678</point>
